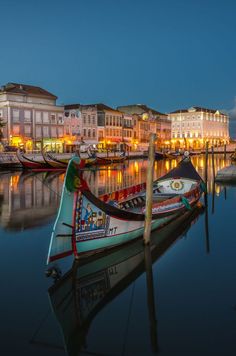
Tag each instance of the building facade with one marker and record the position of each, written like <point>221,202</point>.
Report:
<point>146,121</point>
<point>192,128</point>
<point>32,118</point>
<point>81,124</point>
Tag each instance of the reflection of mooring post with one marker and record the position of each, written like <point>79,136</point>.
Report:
<point>224,151</point>
<point>151,298</point>
<point>206,200</point>
<point>206,223</point>
<point>149,190</point>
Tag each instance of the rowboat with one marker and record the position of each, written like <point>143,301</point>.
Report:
<point>111,159</point>
<point>86,160</point>
<point>79,294</point>
<point>30,163</point>
<point>87,225</point>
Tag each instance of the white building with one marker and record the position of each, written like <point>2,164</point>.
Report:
<point>32,118</point>
<point>193,127</point>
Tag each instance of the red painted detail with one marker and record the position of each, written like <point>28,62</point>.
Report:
<point>73,239</point>
<point>60,255</point>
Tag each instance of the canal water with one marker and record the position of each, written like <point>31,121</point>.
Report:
<point>182,304</point>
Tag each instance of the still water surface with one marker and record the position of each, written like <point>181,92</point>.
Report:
<point>112,306</point>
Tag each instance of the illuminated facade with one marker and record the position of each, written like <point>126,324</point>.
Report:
<point>192,128</point>
<point>146,121</point>
<point>81,124</point>
<point>33,120</point>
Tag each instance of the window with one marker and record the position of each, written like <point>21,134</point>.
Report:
<point>93,120</point>
<point>89,133</point>
<point>67,130</point>
<point>27,130</point>
<point>53,131</point>
<point>38,117</point>
<point>45,117</point>
<point>60,131</point>
<point>89,121</point>
<point>53,118</point>
<point>1,113</point>
<point>60,119</point>
<point>38,131</point>
<point>27,116</point>
<point>16,129</point>
<point>84,119</point>
<point>16,115</point>
<point>46,131</point>
<point>85,132</point>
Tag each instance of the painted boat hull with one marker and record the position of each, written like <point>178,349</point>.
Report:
<point>87,225</point>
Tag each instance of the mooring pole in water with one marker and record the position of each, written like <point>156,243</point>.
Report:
<point>149,190</point>
<point>213,163</point>
<point>206,164</point>
<point>224,151</point>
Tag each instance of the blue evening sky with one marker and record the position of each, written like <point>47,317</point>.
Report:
<point>168,54</point>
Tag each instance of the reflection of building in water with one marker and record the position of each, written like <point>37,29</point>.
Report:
<point>116,177</point>
<point>28,199</point>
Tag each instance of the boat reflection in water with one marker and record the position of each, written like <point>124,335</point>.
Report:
<point>28,199</point>
<point>79,295</point>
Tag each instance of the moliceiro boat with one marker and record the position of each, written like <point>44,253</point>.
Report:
<point>86,224</point>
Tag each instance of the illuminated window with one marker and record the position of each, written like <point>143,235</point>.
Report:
<point>16,129</point>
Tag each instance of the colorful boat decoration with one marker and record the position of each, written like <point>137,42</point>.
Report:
<point>30,163</point>
<point>87,225</point>
<point>86,160</point>
<point>78,295</point>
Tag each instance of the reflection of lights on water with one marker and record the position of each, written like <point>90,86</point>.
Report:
<point>217,190</point>
<point>109,172</point>
<point>201,162</point>
<point>174,163</point>
<point>136,167</point>
<point>167,165</point>
<point>119,178</point>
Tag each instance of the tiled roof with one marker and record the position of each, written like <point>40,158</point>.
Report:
<point>138,109</point>
<point>197,109</point>
<point>71,106</point>
<point>26,89</point>
<point>100,107</point>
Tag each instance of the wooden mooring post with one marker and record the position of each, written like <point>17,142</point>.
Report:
<point>213,163</point>
<point>206,164</point>
<point>149,190</point>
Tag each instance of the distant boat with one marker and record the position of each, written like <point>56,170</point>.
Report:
<point>119,157</point>
<point>80,294</point>
<point>87,225</point>
<point>159,155</point>
<point>30,163</point>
